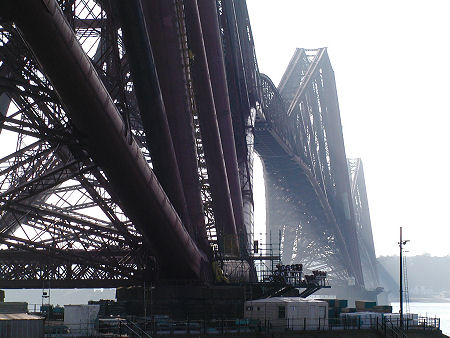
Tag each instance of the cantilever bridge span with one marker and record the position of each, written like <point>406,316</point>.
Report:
<point>127,135</point>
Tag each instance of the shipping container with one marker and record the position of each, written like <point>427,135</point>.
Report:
<point>288,313</point>
<point>363,320</point>
<point>364,304</point>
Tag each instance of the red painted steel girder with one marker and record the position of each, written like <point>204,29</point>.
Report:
<point>161,21</point>
<point>151,105</point>
<point>216,66</point>
<point>220,191</point>
<point>102,131</point>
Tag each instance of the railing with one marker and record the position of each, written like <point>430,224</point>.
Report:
<point>162,325</point>
<point>390,328</point>
<point>134,329</point>
<point>391,331</point>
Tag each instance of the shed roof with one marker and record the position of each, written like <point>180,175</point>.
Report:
<point>19,316</point>
<point>288,300</point>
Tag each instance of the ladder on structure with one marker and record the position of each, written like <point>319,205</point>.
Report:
<point>405,280</point>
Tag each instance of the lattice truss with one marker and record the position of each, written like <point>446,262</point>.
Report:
<point>59,218</point>
<point>307,185</point>
<point>363,223</point>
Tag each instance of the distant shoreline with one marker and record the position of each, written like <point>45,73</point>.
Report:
<point>426,300</point>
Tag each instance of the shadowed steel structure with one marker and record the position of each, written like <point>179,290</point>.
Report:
<point>127,132</point>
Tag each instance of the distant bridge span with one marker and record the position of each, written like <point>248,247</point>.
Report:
<point>309,195</point>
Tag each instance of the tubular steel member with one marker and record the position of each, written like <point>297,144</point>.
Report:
<point>240,106</point>
<point>223,208</point>
<point>160,18</point>
<point>216,66</point>
<point>339,162</point>
<point>151,105</point>
<point>105,136</point>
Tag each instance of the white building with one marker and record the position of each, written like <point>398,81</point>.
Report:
<point>294,313</point>
<point>81,319</point>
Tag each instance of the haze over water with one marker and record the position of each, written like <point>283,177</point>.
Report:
<point>440,310</point>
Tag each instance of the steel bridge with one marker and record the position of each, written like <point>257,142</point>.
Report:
<point>128,130</point>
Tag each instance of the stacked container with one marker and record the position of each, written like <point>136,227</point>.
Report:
<point>335,307</point>
<point>364,305</point>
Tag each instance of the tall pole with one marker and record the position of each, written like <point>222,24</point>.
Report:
<point>401,243</point>
<point>401,278</point>
<point>145,303</point>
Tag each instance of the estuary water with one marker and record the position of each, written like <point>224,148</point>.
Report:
<point>439,310</point>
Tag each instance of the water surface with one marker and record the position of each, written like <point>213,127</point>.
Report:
<point>439,310</point>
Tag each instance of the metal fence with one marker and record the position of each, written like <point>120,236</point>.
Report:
<point>165,326</point>
<point>374,322</point>
<point>162,325</point>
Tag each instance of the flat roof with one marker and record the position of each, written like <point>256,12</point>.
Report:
<point>19,316</point>
<point>287,300</point>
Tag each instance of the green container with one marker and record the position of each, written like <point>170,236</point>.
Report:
<point>58,309</point>
<point>332,313</point>
<point>364,304</point>
<point>331,302</point>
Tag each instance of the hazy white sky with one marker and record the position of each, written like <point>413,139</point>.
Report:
<point>391,60</point>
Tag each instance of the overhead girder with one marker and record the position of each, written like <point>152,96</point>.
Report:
<point>105,136</point>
